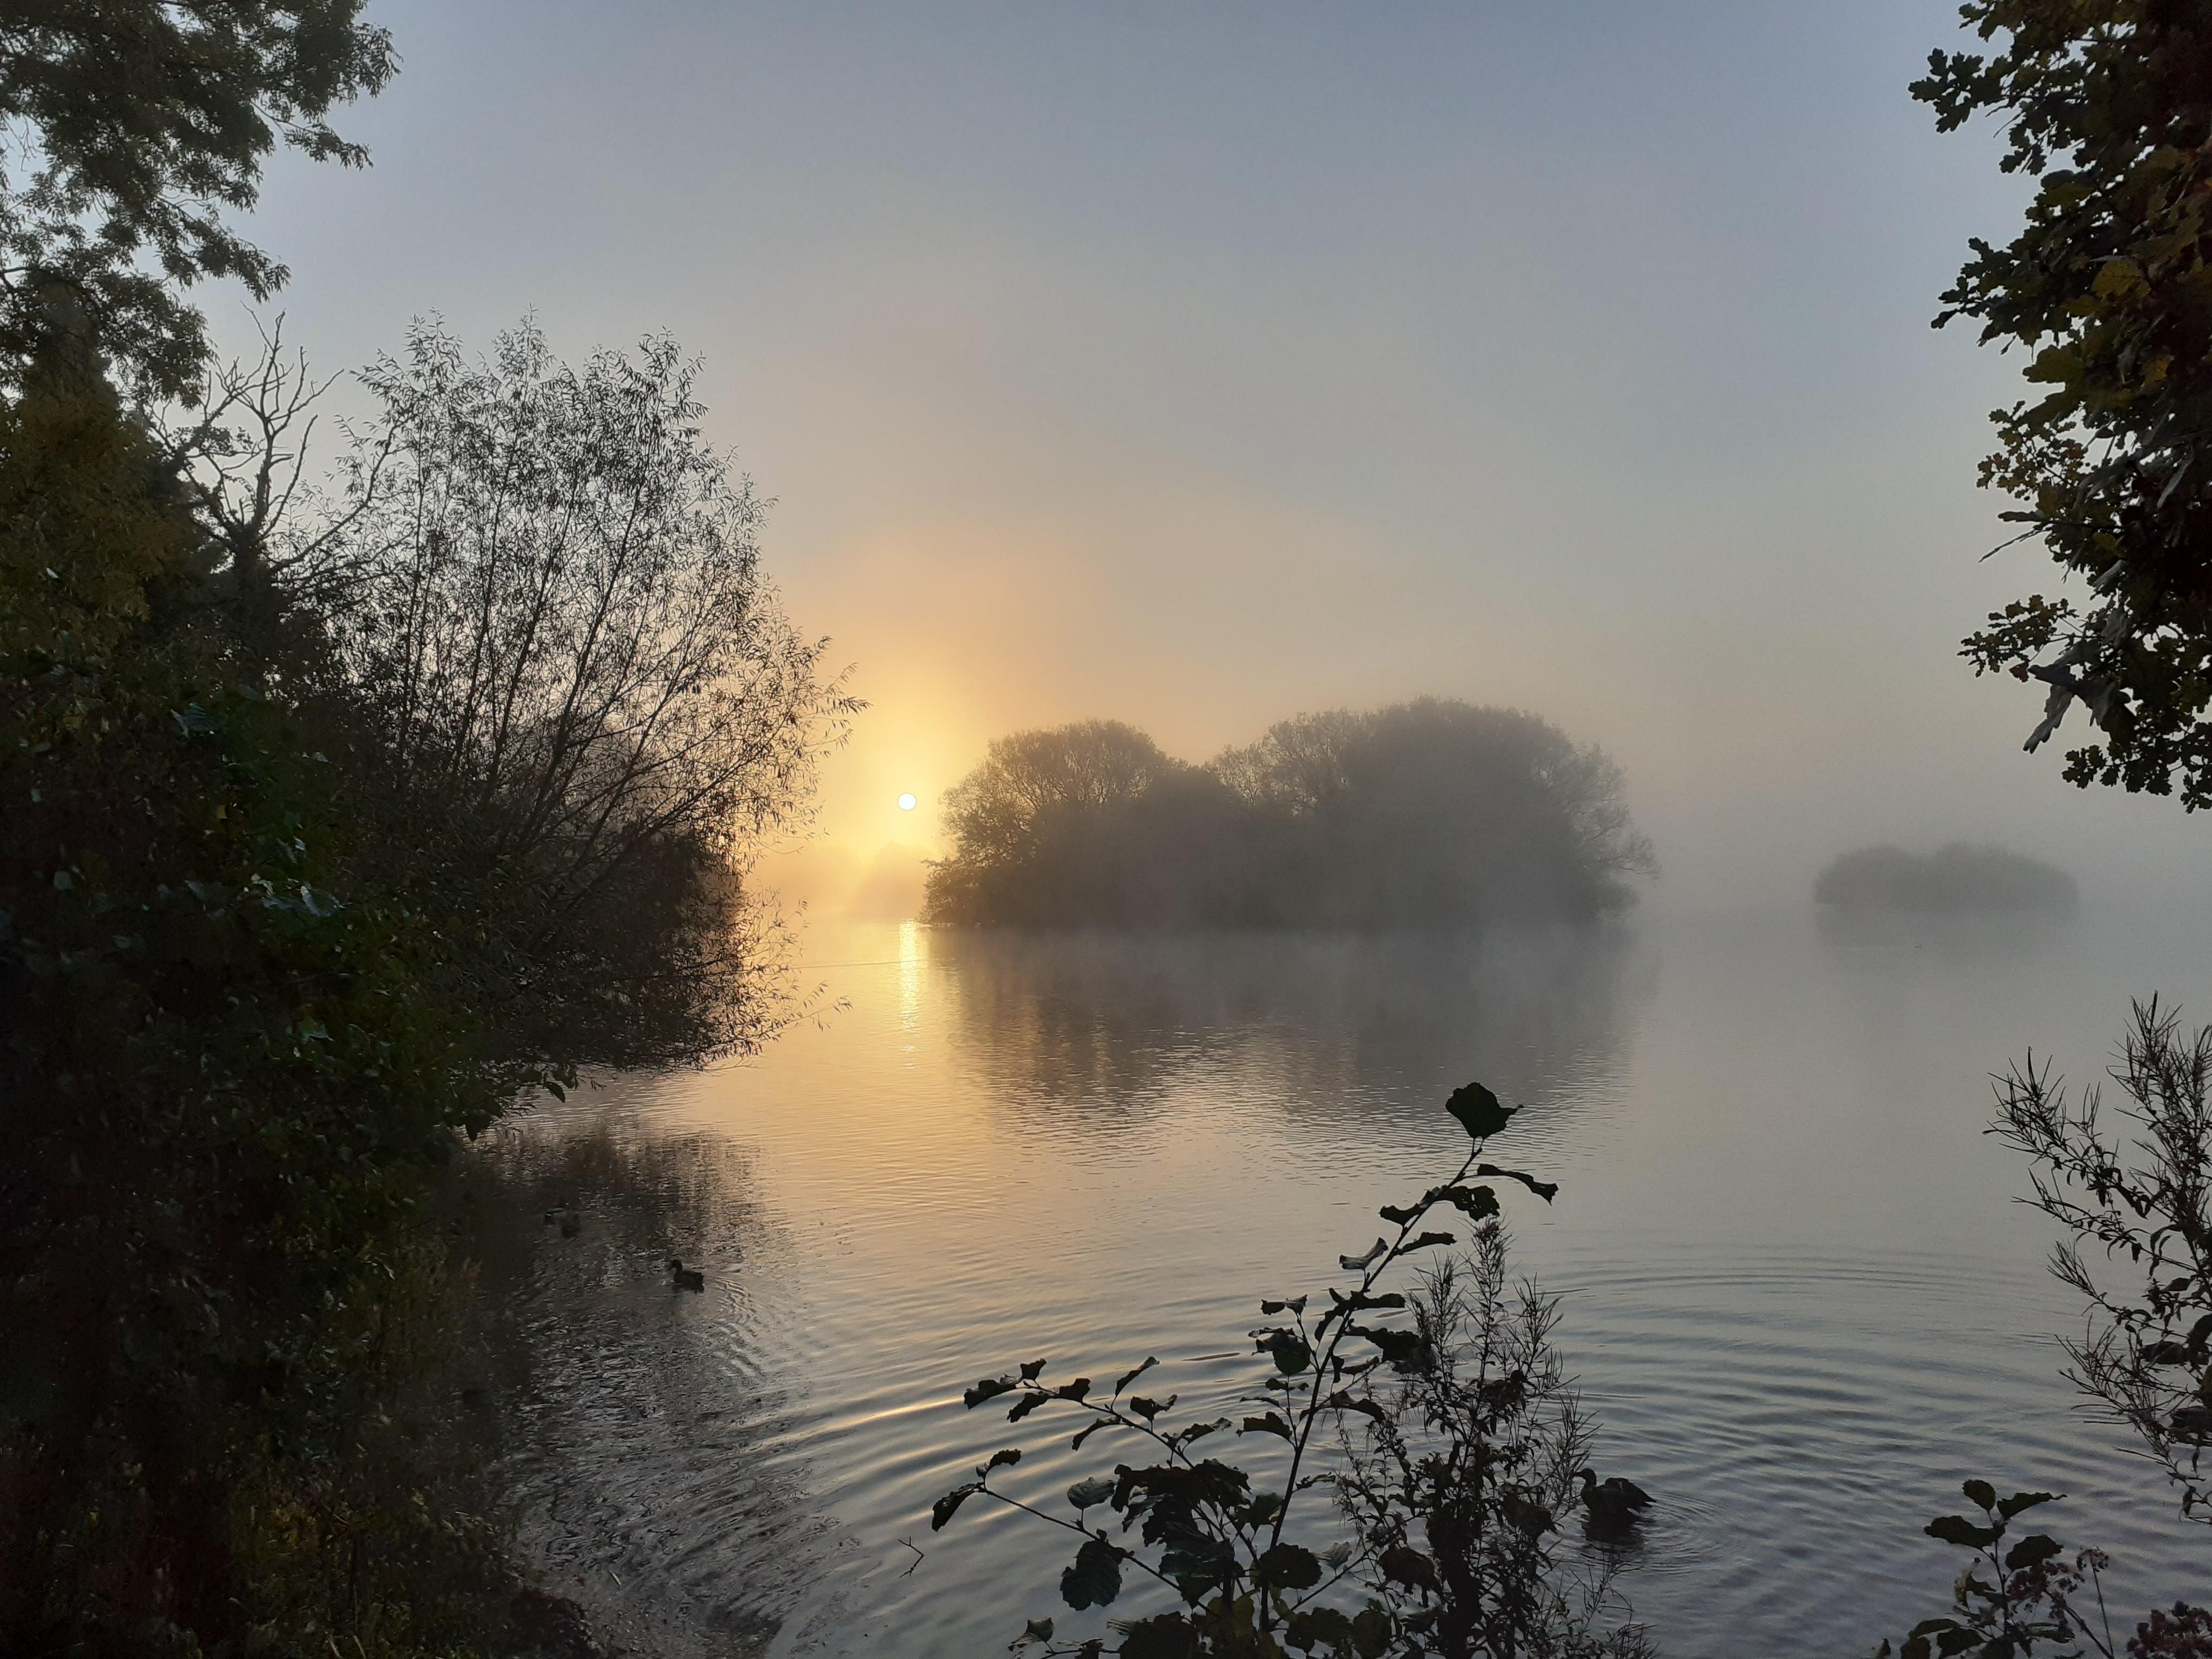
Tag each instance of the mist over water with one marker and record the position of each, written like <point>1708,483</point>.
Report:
<point>1797,1291</point>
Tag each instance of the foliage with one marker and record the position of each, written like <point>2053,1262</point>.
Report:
<point>1955,876</point>
<point>261,965</point>
<point>1429,813</point>
<point>140,123</point>
<point>2107,104</point>
<point>2011,1599</point>
<point>1456,1439</point>
<point>2148,1355</point>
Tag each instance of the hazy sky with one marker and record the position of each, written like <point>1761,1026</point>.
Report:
<point>1198,364</point>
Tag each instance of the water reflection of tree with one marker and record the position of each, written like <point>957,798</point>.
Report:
<point>635,1414</point>
<point>1333,1027</point>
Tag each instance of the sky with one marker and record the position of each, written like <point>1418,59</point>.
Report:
<point>1201,364</point>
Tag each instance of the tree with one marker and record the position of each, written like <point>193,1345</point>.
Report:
<point>1013,816</point>
<point>2108,105</point>
<point>142,121</point>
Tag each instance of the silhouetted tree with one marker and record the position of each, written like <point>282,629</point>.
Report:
<point>141,122</point>
<point>1425,814</point>
<point>2107,103</point>
<point>1955,876</point>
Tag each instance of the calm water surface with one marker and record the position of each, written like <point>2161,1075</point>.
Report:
<point>1797,1293</point>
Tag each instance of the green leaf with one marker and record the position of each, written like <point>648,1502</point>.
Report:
<point>1086,1494</point>
<point>1981,1492</point>
<point>1094,1578</point>
<point>1478,1111</point>
<point>2032,1551</point>
<point>1037,1630</point>
<point>1957,1530</point>
<point>942,1510</point>
<point>1288,1566</point>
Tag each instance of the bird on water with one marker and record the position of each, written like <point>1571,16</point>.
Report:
<point>684,1278</point>
<point>1614,1505</point>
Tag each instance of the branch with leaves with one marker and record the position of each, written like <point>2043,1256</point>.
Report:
<point>1353,1385</point>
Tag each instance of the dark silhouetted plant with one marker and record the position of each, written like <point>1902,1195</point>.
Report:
<point>1437,1420</point>
<point>2013,1598</point>
<point>2147,1357</point>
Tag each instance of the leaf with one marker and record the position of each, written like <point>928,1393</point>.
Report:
<point>1000,1459</point>
<point>1353,1264</point>
<point>1086,1432</point>
<point>1094,1578</point>
<point>2009,1507</point>
<point>1149,1409</point>
<point>2032,1551</point>
<point>1371,1631</point>
<point>1037,1630</point>
<point>942,1510</point>
<point>1025,1404</point>
<point>1270,1424</point>
<point>1128,1377</point>
<point>1074,1390</point>
<point>1957,1530</point>
<point>1163,1636</point>
<point>1981,1492</point>
<point>1343,1402</point>
<point>1296,1304</point>
<point>1030,1375</point>
<point>1405,1351</point>
<point>1397,1218</point>
<point>1287,1566</point>
<point>1478,1111</point>
<point>1310,1627</point>
<point>988,1389</point>
<point>1290,1353</point>
<point>1546,1190</point>
<point>1427,1239</point>
<point>1087,1494</point>
<point>1477,1203</point>
<point>1403,1564</point>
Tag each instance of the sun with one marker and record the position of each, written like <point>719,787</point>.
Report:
<point>906,803</point>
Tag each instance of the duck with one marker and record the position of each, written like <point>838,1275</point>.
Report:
<point>568,1220</point>
<point>1612,1505</point>
<point>684,1278</point>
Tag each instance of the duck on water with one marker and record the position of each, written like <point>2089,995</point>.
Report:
<point>1614,1506</point>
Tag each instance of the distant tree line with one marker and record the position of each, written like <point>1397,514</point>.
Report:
<point>1431,813</point>
<point>1956,876</point>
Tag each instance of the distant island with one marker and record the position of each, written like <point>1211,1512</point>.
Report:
<point>1954,878</point>
<point>1430,814</point>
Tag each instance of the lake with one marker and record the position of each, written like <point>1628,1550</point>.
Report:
<point>1797,1293</point>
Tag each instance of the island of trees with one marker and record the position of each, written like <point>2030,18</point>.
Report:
<point>1956,876</point>
<point>1431,813</point>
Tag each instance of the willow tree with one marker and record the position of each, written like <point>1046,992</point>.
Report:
<point>2108,105</point>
